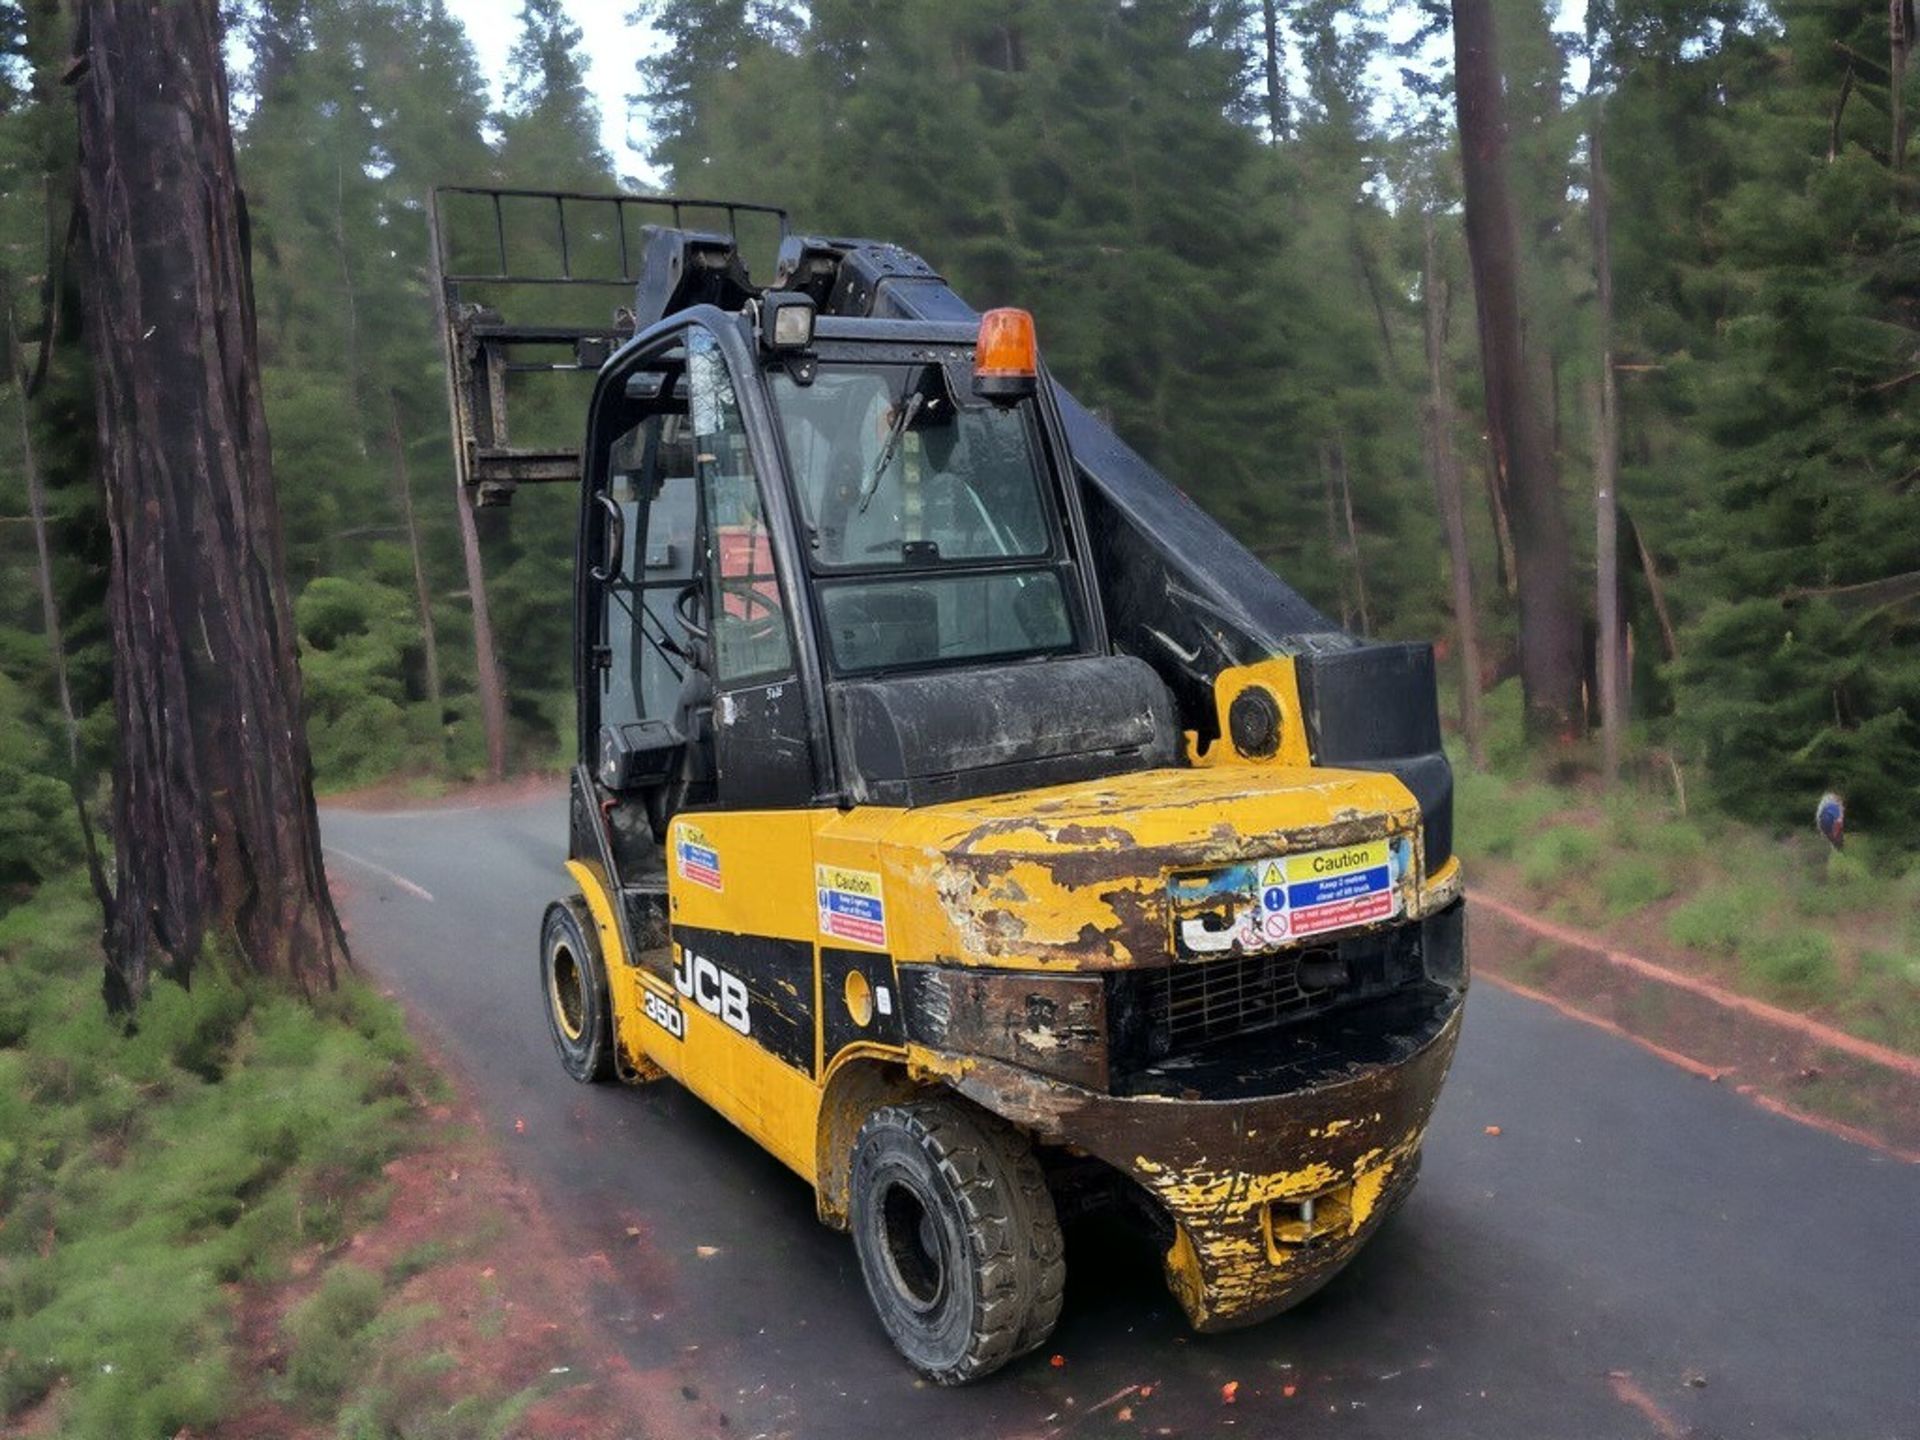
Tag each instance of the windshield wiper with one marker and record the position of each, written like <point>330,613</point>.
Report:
<point>885,458</point>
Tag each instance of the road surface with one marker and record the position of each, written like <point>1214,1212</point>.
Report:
<point>1637,1252</point>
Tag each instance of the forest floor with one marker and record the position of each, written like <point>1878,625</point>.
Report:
<point>457,1312</point>
<point>256,1218</point>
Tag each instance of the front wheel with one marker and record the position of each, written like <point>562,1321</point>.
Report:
<point>573,981</point>
<point>957,1238</point>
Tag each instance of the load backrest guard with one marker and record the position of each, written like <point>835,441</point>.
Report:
<point>549,282</point>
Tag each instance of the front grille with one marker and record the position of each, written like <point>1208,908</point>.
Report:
<point>1211,999</point>
<point>1169,1011</point>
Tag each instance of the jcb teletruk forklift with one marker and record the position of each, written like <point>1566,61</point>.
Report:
<point>960,811</point>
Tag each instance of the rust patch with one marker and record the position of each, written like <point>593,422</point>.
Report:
<point>1093,835</point>
<point>1218,1167</point>
<point>1054,1024</point>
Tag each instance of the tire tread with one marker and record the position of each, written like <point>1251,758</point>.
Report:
<point>1010,1219</point>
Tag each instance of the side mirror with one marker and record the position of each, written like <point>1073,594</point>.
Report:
<point>638,754</point>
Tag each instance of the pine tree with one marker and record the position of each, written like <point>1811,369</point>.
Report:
<point>214,824</point>
<point>1801,674</point>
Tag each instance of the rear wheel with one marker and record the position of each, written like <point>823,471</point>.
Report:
<point>957,1238</point>
<point>573,983</point>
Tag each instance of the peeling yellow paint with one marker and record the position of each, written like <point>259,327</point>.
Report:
<point>1077,878</point>
<point>1233,1254</point>
<point>1367,1185</point>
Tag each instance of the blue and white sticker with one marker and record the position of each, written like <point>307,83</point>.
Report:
<point>1260,905</point>
<point>695,858</point>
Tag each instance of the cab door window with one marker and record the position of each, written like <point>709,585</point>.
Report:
<point>646,640</point>
<point>762,749</point>
<point>752,638</point>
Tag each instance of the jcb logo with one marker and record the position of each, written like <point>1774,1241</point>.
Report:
<point>711,988</point>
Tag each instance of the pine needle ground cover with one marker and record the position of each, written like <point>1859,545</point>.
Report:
<point>243,1212</point>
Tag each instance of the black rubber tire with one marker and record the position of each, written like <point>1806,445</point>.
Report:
<point>573,991</point>
<point>957,1237</point>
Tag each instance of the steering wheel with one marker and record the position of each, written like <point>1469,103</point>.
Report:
<point>687,604</point>
<point>771,620</point>
<point>686,608</point>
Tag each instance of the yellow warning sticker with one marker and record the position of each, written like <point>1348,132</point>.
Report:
<point>852,905</point>
<point>1326,864</point>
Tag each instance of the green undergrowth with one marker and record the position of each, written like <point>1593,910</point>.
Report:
<point>142,1175</point>
<point>1782,917</point>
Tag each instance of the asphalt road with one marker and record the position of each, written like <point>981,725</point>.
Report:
<point>1637,1253</point>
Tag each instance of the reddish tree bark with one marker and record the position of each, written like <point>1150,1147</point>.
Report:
<point>1517,425</point>
<point>1606,472</point>
<point>422,596</point>
<point>215,832</point>
<point>1275,71</point>
<point>1447,490</point>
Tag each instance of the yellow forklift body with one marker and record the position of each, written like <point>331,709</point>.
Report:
<point>937,756</point>
<point>1065,881</point>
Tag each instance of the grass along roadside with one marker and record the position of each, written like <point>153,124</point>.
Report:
<point>252,1213</point>
<point>1835,935</point>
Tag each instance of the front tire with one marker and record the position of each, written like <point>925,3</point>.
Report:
<point>573,986</point>
<point>957,1238</point>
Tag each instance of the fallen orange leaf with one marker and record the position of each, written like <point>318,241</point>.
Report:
<point>1058,1361</point>
<point>1289,1390</point>
<point>1123,1414</point>
<point>1493,1129</point>
<point>1230,1391</point>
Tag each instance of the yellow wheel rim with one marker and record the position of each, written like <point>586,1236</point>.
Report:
<point>567,991</point>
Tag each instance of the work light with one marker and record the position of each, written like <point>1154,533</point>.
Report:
<point>786,320</point>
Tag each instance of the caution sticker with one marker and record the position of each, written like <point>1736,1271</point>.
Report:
<point>1332,889</point>
<point>695,858</point>
<point>1260,905</point>
<point>852,905</point>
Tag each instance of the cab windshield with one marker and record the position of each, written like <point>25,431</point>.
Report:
<point>929,525</point>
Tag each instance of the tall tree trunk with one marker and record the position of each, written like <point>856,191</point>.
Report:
<point>1900,25</point>
<point>486,662</point>
<point>1370,279</point>
<point>1502,531</point>
<point>1335,547</point>
<point>352,302</point>
<point>214,826</point>
<point>50,613</point>
<point>1839,114</point>
<point>423,597</point>
<point>1345,483</point>
<point>1276,72</point>
<point>1550,647</point>
<point>1606,470</point>
<point>1447,493</point>
<point>1669,637</point>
